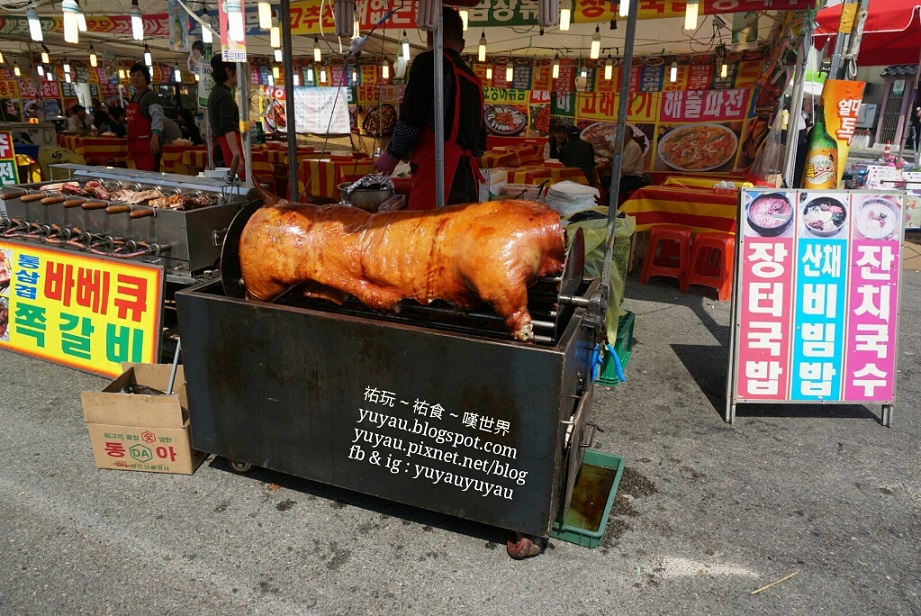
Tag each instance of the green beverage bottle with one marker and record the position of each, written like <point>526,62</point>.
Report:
<point>821,170</point>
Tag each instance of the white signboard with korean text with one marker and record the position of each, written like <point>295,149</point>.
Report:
<point>322,111</point>
<point>816,298</point>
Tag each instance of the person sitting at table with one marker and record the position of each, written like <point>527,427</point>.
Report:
<point>577,152</point>
<point>100,115</point>
<point>189,128</point>
<point>632,165</point>
<point>79,123</point>
<point>171,132</point>
<point>555,141</point>
<point>114,123</point>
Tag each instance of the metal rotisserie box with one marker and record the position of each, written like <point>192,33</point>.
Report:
<point>481,428</point>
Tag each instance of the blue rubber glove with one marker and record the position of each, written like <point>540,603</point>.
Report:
<point>386,163</point>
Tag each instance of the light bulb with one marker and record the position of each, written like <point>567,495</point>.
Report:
<point>121,74</point>
<point>275,37</point>
<point>66,77</point>
<point>16,70</point>
<point>583,72</point>
<point>35,26</point>
<point>206,36</point>
<point>481,48</point>
<point>235,30</point>
<point>265,15</point>
<point>177,74</point>
<point>724,71</point>
<point>49,75</point>
<point>66,67</point>
<point>93,60</point>
<point>555,72</point>
<point>489,72</point>
<point>509,72</point>
<point>385,69</point>
<point>46,59</point>
<point>596,44</point>
<point>673,73</point>
<point>81,21</point>
<point>465,18</point>
<point>197,77</point>
<point>275,72</point>
<point>609,68</point>
<point>355,27</point>
<point>137,21</point>
<point>624,8</point>
<point>147,59</point>
<point>317,55</point>
<point>405,43</point>
<point>565,17</point>
<point>296,79</point>
<point>40,70</point>
<point>71,28</point>
<point>690,15</point>
<point>354,75</point>
<point>271,81</point>
<point>323,74</point>
<point>1,57</point>
<point>278,57</point>
<point>310,75</point>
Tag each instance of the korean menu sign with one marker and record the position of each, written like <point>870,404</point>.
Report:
<point>87,313</point>
<point>816,297</point>
<point>9,175</point>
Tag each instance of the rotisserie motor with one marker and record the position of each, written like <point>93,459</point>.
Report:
<point>463,254</point>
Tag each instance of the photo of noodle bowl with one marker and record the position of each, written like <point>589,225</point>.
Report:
<point>602,136</point>
<point>877,219</point>
<point>698,147</point>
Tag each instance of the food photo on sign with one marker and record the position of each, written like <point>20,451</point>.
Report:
<point>701,146</point>
<point>505,120</point>
<point>540,120</point>
<point>603,137</point>
<point>823,215</point>
<point>768,215</point>
<point>877,218</point>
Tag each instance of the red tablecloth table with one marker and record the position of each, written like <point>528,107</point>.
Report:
<point>701,210</point>
<point>319,179</point>
<point>536,174</point>
<point>97,150</point>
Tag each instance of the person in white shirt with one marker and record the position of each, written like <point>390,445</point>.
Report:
<point>632,165</point>
<point>79,122</point>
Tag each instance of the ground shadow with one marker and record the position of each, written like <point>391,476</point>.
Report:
<point>707,365</point>
<point>663,290</point>
<point>341,497</point>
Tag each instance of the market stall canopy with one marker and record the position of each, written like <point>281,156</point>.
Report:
<point>509,30</point>
<point>891,35</point>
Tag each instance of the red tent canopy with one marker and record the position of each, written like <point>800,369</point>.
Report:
<point>891,34</point>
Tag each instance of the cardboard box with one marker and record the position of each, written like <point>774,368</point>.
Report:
<point>911,251</point>
<point>136,432</point>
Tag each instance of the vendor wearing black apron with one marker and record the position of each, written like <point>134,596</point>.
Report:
<point>224,117</point>
<point>145,121</point>
<point>465,135</point>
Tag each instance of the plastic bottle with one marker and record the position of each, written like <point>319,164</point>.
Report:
<point>887,151</point>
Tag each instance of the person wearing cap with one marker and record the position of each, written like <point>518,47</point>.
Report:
<point>145,121</point>
<point>224,117</point>
<point>465,134</point>
<point>79,123</point>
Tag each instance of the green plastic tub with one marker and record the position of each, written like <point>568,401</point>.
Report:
<point>623,347</point>
<point>592,500</point>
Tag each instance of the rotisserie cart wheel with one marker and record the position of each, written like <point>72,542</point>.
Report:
<point>231,273</point>
<point>520,546</point>
<point>240,467</point>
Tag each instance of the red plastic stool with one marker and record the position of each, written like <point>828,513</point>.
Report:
<point>667,253</point>
<point>711,263</point>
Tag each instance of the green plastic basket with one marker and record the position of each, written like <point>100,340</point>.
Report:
<point>598,478</point>
<point>623,347</point>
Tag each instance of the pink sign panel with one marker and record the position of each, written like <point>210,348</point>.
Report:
<point>765,329</point>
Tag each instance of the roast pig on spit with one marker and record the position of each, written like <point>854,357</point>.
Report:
<point>463,254</point>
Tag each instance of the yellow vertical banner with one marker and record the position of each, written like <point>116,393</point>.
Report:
<point>841,105</point>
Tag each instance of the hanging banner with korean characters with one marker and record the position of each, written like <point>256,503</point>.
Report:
<point>89,313</point>
<point>9,173</point>
<point>816,298</point>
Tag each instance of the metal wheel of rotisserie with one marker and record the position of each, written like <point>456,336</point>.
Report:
<point>571,276</point>
<point>240,467</point>
<point>521,546</point>
<point>231,273</point>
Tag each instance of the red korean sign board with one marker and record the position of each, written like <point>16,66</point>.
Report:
<point>816,298</point>
<point>89,313</point>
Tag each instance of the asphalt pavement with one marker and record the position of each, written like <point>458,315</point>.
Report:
<point>707,513</point>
